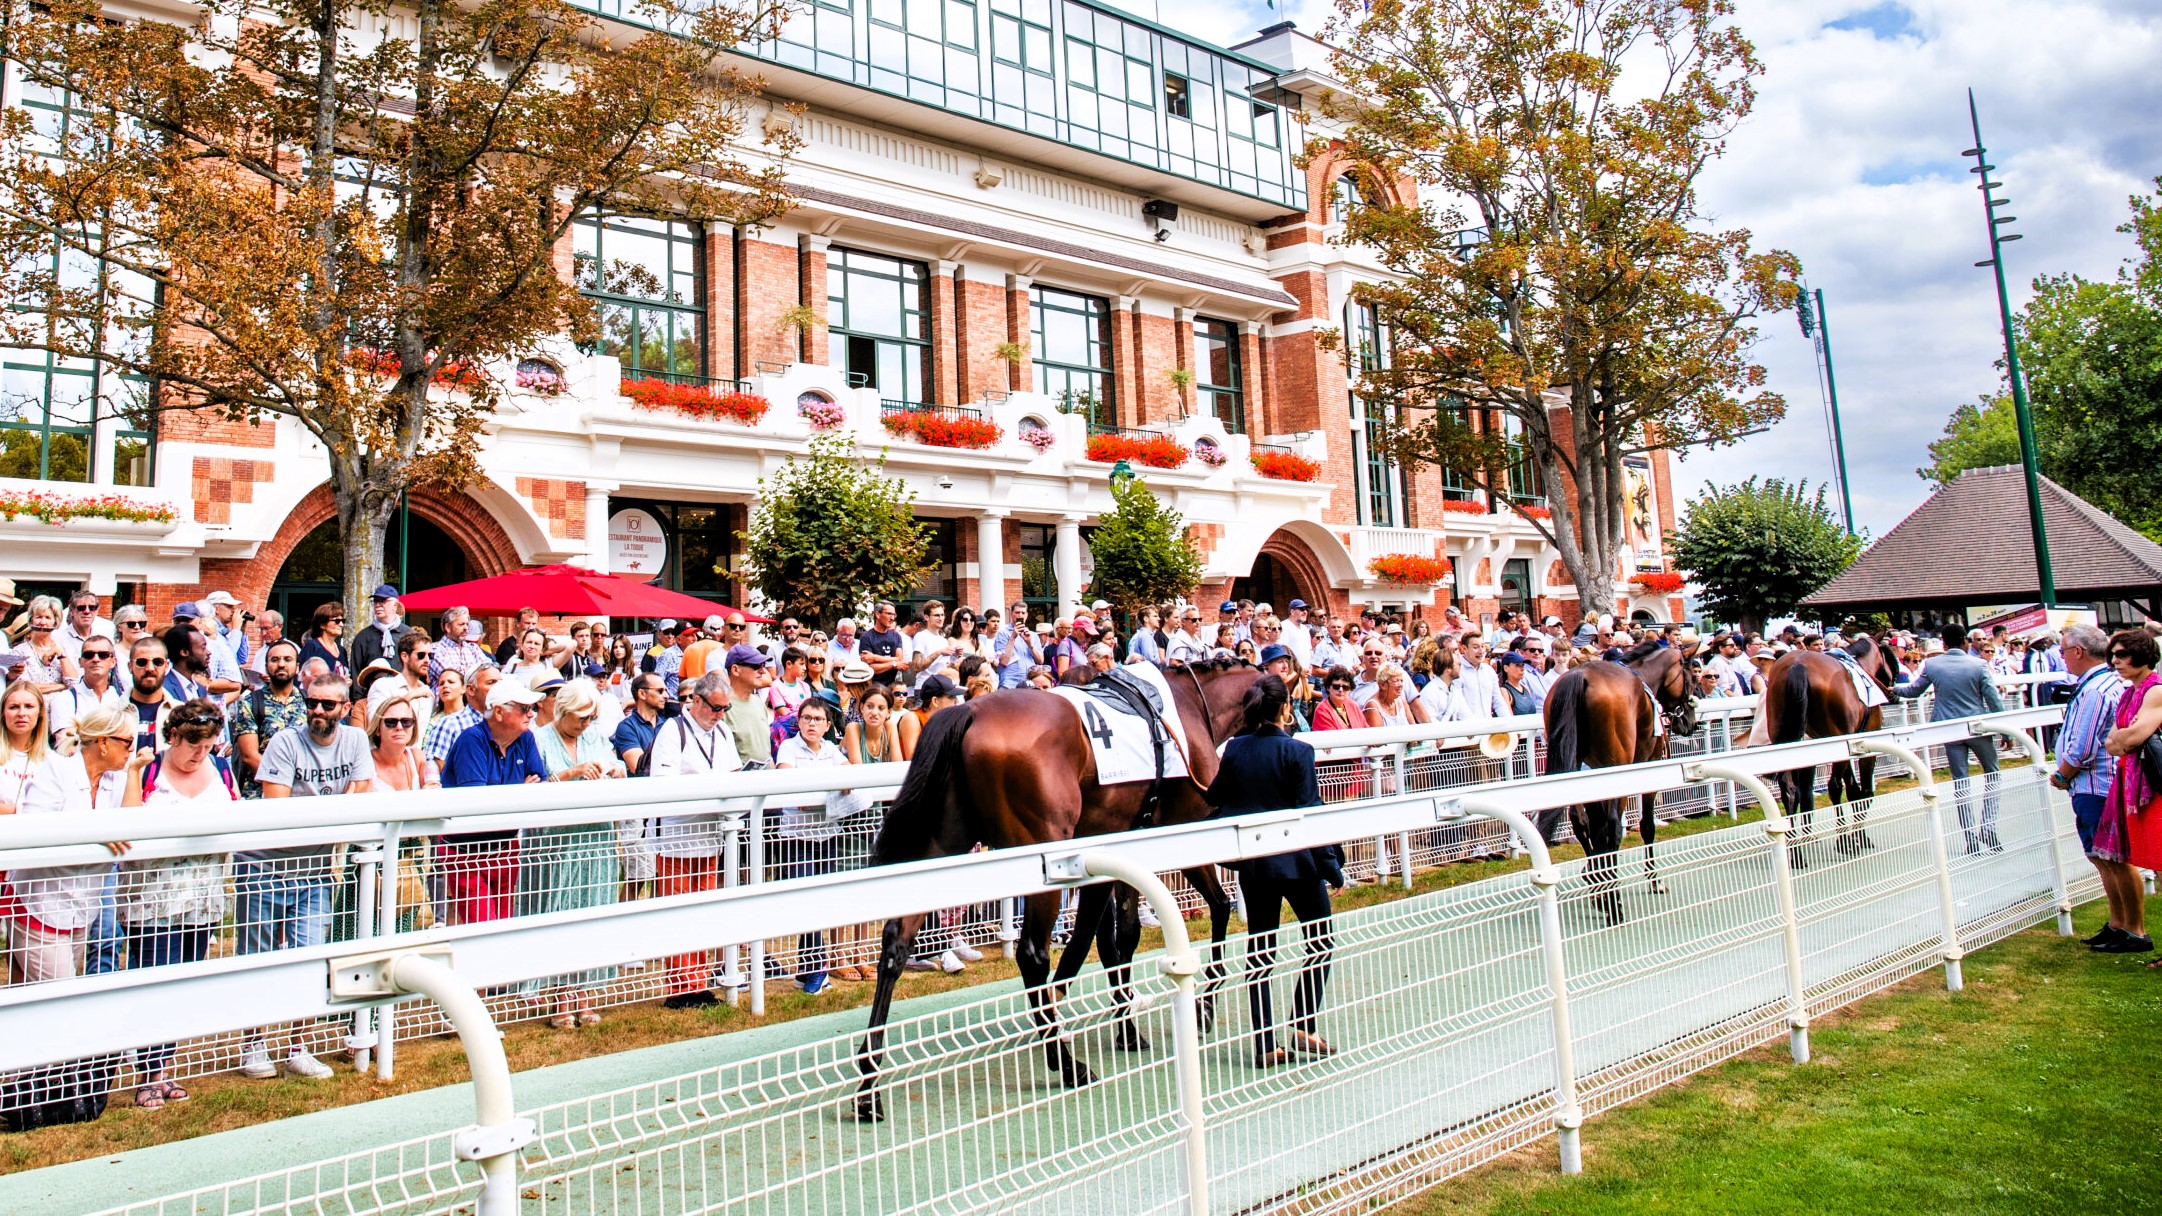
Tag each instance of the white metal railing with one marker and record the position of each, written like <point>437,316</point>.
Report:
<point>1631,1045</point>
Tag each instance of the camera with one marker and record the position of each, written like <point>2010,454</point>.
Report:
<point>247,616</point>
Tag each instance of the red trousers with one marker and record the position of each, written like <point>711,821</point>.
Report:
<point>681,876</point>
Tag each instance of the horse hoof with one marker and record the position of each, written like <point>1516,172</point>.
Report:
<point>869,1109</point>
<point>1658,887</point>
<point>1076,1074</point>
<point>1133,1042</point>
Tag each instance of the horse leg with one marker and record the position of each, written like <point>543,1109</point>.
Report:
<point>1204,880</point>
<point>1122,937</point>
<point>1089,908</point>
<point>1648,828</point>
<point>1866,789</point>
<point>899,939</point>
<point>1598,829</point>
<point>1033,953</point>
<point>1836,787</point>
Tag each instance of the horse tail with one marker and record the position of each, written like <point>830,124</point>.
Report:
<point>1564,714</point>
<point>932,796</point>
<point>1793,694</point>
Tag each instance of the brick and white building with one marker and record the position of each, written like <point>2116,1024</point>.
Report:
<point>982,227</point>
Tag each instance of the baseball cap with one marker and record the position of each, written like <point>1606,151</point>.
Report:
<point>1274,651</point>
<point>1765,655</point>
<point>1085,625</point>
<point>512,692</point>
<point>1552,620</point>
<point>936,686</point>
<point>1296,604</point>
<point>221,598</point>
<point>1044,628</point>
<point>1099,605</point>
<point>713,623</point>
<point>384,592</point>
<point>1510,658</point>
<point>667,625</point>
<point>186,611</point>
<point>740,655</point>
<point>472,631</point>
<point>1228,606</point>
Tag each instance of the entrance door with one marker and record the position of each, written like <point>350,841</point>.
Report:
<point>1516,585</point>
<point>314,572</point>
<point>1269,583</point>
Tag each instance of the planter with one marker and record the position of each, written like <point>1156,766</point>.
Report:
<point>1155,451</point>
<point>1409,569</point>
<point>1529,511</point>
<point>823,415</point>
<point>540,377</point>
<point>457,374</point>
<point>1660,583</point>
<point>1206,451</point>
<point>55,510</point>
<point>1463,506</point>
<point>942,432</point>
<point>697,401</point>
<point>1286,466</point>
<point>1037,435</point>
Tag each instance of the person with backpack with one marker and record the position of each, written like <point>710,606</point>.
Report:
<point>262,713</point>
<point>169,907</point>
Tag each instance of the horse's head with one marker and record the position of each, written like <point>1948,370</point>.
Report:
<point>1671,674</point>
<point>1876,657</point>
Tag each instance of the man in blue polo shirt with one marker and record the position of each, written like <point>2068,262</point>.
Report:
<point>480,869</point>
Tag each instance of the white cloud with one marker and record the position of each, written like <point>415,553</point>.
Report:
<point>1851,161</point>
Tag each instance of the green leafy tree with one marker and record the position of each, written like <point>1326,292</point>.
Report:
<point>2093,356</point>
<point>1557,254</point>
<point>1757,549</point>
<point>1143,555</point>
<point>832,533</point>
<point>1978,435</point>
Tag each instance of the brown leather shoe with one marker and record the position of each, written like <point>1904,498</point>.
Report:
<point>1308,1044</point>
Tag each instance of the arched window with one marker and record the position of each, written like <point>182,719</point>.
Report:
<point>1347,194</point>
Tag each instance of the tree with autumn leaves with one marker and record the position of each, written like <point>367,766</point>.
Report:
<point>341,211</point>
<point>1556,255</point>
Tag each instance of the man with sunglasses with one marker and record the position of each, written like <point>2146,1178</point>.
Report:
<point>99,658</point>
<point>1187,645</point>
<point>147,668</point>
<point>790,631</point>
<point>688,848</point>
<point>266,712</point>
<point>83,623</point>
<point>416,649</point>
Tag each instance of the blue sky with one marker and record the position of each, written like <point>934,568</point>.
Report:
<point>1851,161</point>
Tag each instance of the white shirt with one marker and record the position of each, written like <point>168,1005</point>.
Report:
<point>64,707</point>
<point>1445,702</point>
<point>1300,643</point>
<point>839,656</point>
<point>683,750</point>
<point>66,897</point>
<point>72,642</point>
<point>1185,648</point>
<point>808,822</point>
<point>1481,687</point>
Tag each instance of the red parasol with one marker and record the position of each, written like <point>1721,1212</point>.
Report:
<point>568,591</point>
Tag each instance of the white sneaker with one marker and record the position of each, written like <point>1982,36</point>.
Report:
<point>255,1062</point>
<point>968,953</point>
<point>301,1064</point>
<point>950,962</point>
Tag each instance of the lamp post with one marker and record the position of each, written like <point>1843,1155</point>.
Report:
<point>2045,578</point>
<point>1817,327</point>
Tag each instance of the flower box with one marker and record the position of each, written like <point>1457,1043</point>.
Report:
<point>1657,582</point>
<point>942,432</point>
<point>1039,437</point>
<point>544,379</point>
<point>1206,451</point>
<point>1464,506</point>
<point>1285,466</point>
<point>457,373</point>
<point>697,400</point>
<point>822,415</point>
<point>1532,511</point>
<point>1408,569</point>
<point>1155,451</point>
<point>59,509</point>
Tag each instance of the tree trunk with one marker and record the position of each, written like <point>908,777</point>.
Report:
<point>366,493</point>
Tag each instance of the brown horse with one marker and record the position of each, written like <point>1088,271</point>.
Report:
<point>1808,695</point>
<point>1605,714</point>
<point>1015,768</point>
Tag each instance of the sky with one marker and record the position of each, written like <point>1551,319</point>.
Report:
<point>1851,161</point>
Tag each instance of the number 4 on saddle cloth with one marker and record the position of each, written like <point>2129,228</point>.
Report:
<point>1133,731</point>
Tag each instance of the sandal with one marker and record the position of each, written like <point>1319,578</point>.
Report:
<point>564,1021</point>
<point>588,1017</point>
<point>172,1092</point>
<point>148,1097</point>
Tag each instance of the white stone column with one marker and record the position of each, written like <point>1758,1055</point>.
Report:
<point>1067,559</point>
<point>597,493</point>
<point>991,560</point>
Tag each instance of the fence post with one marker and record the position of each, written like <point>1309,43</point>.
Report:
<point>1568,1114</point>
<point>367,866</point>
<point>1926,782</point>
<point>2038,758</point>
<point>1182,965</point>
<point>731,833</point>
<point>497,1133</point>
<point>1790,926</point>
<point>386,912</point>
<point>755,864</point>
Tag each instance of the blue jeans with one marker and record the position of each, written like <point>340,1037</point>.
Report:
<point>161,946</point>
<point>101,948</point>
<point>275,909</point>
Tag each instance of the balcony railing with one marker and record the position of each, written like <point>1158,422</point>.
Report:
<point>718,384</point>
<point>893,407</point>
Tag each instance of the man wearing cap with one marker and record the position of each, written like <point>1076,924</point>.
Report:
<point>1297,637</point>
<point>748,717</point>
<point>699,656</point>
<point>668,665</point>
<point>1227,613</point>
<point>480,869</point>
<point>226,625</point>
<point>688,847</point>
<point>379,639</point>
<point>664,636</point>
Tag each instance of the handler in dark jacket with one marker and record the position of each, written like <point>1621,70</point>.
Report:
<point>1266,770</point>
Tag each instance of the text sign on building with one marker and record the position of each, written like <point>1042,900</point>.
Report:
<point>637,544</point>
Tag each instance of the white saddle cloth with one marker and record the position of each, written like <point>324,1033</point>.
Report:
<point>1120,741</point>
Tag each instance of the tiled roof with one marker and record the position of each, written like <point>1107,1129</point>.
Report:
<point>1969,545</point>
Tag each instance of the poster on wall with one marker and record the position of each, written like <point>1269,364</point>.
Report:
<point>1641,513</point>
<point>637,544</point>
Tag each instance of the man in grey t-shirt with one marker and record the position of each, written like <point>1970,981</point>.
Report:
<point>282,897</point>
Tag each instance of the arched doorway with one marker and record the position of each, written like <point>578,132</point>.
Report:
<point>1270,582</point>
<point>314,572</point>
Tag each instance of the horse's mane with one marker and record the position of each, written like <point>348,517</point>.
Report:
<point>1641,651</point>
<point>1222,663</point>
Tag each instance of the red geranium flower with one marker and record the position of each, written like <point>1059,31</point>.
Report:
<point>1285,466</point>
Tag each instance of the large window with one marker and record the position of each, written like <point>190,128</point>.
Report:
<point>875,316</point>
<point>1070,344</point>
<point>1218,385</point>
<point>1039,570</point>
<point>1346,195</point>
<point>65,418</point>
<point>1522,472</point>
<point>1381,480</point>
<point>940,584</point>
<point>645,278</point>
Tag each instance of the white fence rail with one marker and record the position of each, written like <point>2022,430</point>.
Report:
<point>1444,1009</point>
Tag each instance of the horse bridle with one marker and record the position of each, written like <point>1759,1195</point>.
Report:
<point>1208,720</point>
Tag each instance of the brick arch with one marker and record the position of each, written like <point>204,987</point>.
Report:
<point>487,547</point>
<point>1332,162</point>
<point>1305,568</point>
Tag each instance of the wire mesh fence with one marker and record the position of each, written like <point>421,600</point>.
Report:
<point>1436,1011</point>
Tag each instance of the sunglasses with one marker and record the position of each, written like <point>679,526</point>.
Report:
<point>721,708</point>
<point>97,654</point>
<point>134,624</point>
<point>336,620</point>
<point>1339,686</point>
<point>815,662</point>
<point>399,723</point>
<point>326,703</point>
<point>148,664</point>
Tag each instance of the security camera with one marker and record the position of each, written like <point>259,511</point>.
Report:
<point>1163,235</point>
<point>945,481</point>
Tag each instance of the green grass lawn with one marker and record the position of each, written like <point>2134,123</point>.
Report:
<point>2037,1090</point>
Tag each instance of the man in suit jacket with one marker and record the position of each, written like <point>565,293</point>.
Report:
<point>1965,689</point>
<point>381,637</point>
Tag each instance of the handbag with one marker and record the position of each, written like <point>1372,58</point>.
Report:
<point>73,1092</point>
<point>2150,762</point>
